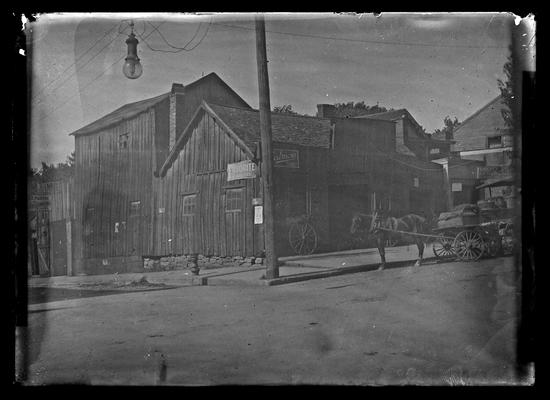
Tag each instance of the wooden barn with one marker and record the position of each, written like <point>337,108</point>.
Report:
<point>116,158</point>
<point>156,178</point>
<point>200,210</point>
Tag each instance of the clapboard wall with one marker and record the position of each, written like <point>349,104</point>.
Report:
<point>113,191</point>
<point>217,217</point>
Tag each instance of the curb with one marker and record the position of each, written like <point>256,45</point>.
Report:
<point>306,276</point>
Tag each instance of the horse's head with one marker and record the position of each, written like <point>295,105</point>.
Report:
<point>361,223</point>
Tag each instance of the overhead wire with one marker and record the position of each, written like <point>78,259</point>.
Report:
<point>90,82</point>
<point>83,65</point>
<point>176,48</point>
<point>74,63</point>
<point>383,42</point>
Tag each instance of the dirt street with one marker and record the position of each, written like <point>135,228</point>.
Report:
<point>447,324</point>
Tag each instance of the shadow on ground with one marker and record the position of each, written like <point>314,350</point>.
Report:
<point>46,295</point>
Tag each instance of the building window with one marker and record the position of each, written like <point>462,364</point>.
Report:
<point>234,199</point>
<point>494,142</point>
<point>189,205</point>
<point>434,151</point>
<point>134,207</point>
<point>123,141</point>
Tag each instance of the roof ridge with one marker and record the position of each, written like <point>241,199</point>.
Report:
<point>272,112</point>
<point>477,112</point>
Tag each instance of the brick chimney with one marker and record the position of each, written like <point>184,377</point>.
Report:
<point>326,111</point>
<point>177,89</point>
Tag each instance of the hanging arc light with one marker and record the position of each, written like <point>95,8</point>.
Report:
<point>132,68</point>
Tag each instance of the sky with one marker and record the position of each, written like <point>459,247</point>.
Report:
<point>434,65</point>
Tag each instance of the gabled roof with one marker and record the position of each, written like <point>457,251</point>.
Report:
<point>132,109</point>
<point>120,114</point>
<point>492,103</point>
<point>285,128</point>
<point>392,115</point>
<point>243,126</point>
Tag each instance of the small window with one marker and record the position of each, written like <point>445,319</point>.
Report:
<point>123,141</point>
<point>134,207</point>
<point>234,199</point>
<point>189,205</point>
<point>494,141</point>
<point>434,151</point>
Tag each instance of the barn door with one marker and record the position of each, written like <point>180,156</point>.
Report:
<point>234,204</point>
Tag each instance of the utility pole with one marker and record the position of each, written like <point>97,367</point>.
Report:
<point>272,267</point>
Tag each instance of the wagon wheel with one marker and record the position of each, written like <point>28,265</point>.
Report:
<point>302,238</point>
<point>468,245</point>
<point>443,246</point>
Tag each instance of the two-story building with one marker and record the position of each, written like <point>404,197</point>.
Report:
<point>158,178</point>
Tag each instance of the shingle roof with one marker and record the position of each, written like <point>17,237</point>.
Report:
<point>294,129</point>
<point>125,112</point>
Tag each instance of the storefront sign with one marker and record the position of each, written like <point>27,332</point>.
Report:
<point>258,215</point>
<point>241,170</point>
<point>286,158</point>
<point>456,187</point>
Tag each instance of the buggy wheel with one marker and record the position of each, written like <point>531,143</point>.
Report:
<point>443,247</point>
<point>469,245</point>
<point>302,238</point>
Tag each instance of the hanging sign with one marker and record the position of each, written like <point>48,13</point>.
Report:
<point>241,170</point>
<point>286,158</point>
<point>456,187</point>
<point>258,215</point>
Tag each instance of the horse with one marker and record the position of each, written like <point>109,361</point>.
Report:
<point>377,224</point>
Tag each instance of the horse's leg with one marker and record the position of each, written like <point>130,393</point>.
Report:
<point>420,245</point>
<point>380,240</point>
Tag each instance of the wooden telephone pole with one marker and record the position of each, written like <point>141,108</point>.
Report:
<point>272,268</point>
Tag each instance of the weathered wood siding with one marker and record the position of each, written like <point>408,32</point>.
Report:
<point>364,157</point>
<point>299,192</point>
<point>217,226</point>
<point>109,176</point>
<point>472,134</point>
<point>212,90</point>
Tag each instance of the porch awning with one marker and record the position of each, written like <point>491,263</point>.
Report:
<point>503,181</point>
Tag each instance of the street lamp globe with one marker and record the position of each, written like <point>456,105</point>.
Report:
<point>132,68</point>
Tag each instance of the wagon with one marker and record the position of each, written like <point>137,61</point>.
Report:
<point>468,239</point>
<point>465,238</point>
<point>302,235</point>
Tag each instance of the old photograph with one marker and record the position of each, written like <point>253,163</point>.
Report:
<point>276,199</point>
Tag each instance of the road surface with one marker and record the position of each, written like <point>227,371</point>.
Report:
<point>444,324</point>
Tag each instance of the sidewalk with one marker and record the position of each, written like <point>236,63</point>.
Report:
<point>293,269</point>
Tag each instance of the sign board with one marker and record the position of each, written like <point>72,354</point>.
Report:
<point>241,170</point>
<point>416,182</point>
<point>456,187</point>
<point>258,215</point>
<point>257,201</point>
<point>286,158</point>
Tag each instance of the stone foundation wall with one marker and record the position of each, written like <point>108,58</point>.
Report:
<point>204,262</point>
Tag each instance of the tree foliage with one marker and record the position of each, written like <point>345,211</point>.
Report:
<point>51,172</point>
<point>449,125</point>
<point>352,109</point>
<point>284,109</point>
<point>507,91</point>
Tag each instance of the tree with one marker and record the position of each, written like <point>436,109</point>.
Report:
<point>284,109</point>
<point>449,126</point>
<point>51,173</point>
<point>507,91</point>
<point>351,109</point>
